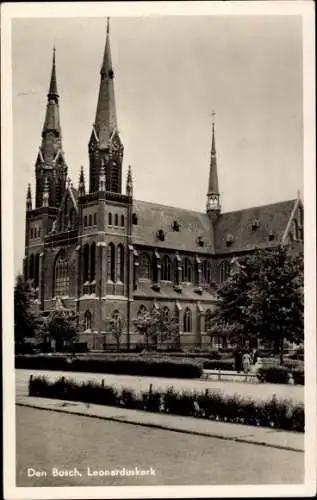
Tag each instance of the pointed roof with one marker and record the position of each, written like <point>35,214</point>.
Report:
<point>213,187</point>
<point>52,93</point>
<point>129,186</point>
<point>106,115</point>
<point>28,193</point>
<point>52,120</point>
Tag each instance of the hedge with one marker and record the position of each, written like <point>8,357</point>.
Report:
<point>147,366</point>
<point>212,405</point>
<point>280,375</point>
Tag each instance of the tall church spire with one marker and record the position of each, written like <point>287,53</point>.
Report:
<point>50,160</point>
<point>105,142</point>
<point>106,115</point>
<point>52,93</point>
<point>213,195</point>
<point>52,120</point>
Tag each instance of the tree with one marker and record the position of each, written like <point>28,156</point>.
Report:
<point>62,327</point>
<point>26,321</point>
<point>262,299</point>
<point>115,325</point>
<point>155,326</point>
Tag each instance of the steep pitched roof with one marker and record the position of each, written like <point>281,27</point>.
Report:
<point>106,115</point>
<point>237,226</point>
<point>152,217</point>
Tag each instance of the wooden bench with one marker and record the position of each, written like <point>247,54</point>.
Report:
<point>208,374</point>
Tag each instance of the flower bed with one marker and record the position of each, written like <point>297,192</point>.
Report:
<point>278,414</point>
<point>123,365</point>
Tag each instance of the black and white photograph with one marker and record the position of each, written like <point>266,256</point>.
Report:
<point>158,207</point>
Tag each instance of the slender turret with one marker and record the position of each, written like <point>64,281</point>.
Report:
<point>129,185</point>
<point>29,199</point>
<point>81,184</point>
<point>213,195</point>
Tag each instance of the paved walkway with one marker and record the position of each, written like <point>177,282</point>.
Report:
<point>292,441</point>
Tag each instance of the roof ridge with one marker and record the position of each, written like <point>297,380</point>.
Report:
<point>170,206</point>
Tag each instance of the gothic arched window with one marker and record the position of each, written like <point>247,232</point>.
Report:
<point>166,268</point>
<point>122,220</point>
<point>145,266</point>
<point>187,320</point>
<point>93,262</point>
<point>120,268</point>
<point>110,219</point>
<point>208,321</point>
<point>176,315</point>
<point>61,278</point>
<point>86,263</point>
<point>95,219</point>
<point>206,271</point>
<point>36,270</point>
<point>90,220</point>
<point>31,267</point>
<point>88,320</point>
<point>224,271</point>
<point>85,220</point>
<point>116,220</point>
<point>187,271</point>
<point>111,262</point>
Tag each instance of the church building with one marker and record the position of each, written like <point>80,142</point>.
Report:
<point>96,250</point>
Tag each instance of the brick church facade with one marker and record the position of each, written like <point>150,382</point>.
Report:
<point>100,252</point>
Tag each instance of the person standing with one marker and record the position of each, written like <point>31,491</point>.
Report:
<point>246,362</point>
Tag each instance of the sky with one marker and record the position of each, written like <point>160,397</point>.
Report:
<point>170,73</point>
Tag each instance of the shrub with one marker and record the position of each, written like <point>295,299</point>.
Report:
<point>152,401</point>
<point>210,404</point>
<point>299,377</point>
<point>151,365</point>
<point>273,374</point>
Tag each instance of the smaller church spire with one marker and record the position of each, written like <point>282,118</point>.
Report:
<point>28,199</point>
<point>52,121</point>
<point>81,184</point>
<point>45,193</point>
<point>102,177</point>
<point>129,185</point>
<point>213,195</point>
<point>53,93</point>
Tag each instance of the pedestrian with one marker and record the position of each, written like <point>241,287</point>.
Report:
<point>246,362</point>
<point>254,356</point>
